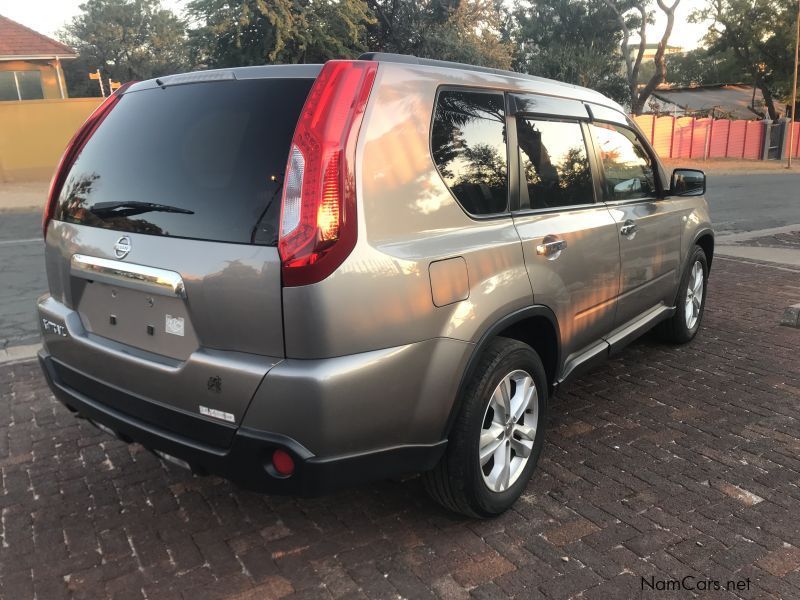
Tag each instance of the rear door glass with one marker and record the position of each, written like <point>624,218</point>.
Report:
<point>203,161</point>
<point>554,163</point>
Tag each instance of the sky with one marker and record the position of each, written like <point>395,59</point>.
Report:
<point>48,16</point>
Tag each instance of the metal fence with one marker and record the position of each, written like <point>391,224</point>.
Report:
<point>690,137</point>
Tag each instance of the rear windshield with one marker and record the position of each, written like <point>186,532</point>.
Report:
<point>202,161</point>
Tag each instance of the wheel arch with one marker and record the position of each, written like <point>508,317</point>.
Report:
<point>705,239</point>
<point>534,325</point>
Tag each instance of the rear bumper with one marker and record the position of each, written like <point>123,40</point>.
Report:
<point>247,459</point>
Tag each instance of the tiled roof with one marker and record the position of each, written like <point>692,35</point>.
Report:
<point>18,40</point>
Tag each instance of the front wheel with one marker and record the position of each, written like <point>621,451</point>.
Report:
<point>691,302</point>
<point>498,435</point>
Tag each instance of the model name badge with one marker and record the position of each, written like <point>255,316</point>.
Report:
<point>51,327</point>
<point>217,414</point>
<point>174,325</point>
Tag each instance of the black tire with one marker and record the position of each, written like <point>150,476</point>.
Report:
<point>675,329</point>
<point>457,482</point>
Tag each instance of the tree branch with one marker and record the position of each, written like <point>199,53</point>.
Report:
<point>626,36</point>
<point>660,75</point>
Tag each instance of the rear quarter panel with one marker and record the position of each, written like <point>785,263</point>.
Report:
<point>381,296</point>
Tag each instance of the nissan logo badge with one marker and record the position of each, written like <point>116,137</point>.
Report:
<point>122,247</point>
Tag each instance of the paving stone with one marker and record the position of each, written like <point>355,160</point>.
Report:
<point>571,532</point>
<point>666,461</point>
<point>781,561</point>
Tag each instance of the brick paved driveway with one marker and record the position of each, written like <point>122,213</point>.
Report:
<point>664,463</point>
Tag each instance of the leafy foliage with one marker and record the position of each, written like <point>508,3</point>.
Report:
<point>759,35</point>
<point>470,31</point>
<point>576,41</point>
<point>126,39</point>
<point>700,66</point>
<point>256,32</point>
<point>144,40</point>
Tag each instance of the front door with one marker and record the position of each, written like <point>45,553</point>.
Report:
<point>648,227</point>
<point>570,242</point>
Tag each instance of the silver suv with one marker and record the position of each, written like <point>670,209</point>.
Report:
<point>301,277</point>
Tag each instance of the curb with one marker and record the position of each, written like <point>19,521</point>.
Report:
<point>791,316</point>
<point>727,238</point>
<point>16,354</point>
<point>781,256</point>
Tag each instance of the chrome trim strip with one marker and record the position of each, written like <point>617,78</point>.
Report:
<point>150,279</point>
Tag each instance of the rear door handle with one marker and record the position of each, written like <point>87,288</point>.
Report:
<point>628,228</point>
<point>551,247</point>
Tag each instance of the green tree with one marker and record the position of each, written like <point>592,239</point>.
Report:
<point>254,32</point>
<point>126,39</point>
<point>575,41</point>
<point>760,36</point>
<point>470,31</point>
<point>699,67</point>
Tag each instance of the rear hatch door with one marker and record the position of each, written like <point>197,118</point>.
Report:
<point>165,239</point>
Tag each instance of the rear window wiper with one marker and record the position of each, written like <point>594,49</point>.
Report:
<point>130,208</point>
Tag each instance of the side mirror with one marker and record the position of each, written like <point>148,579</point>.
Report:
<point>687,182</point>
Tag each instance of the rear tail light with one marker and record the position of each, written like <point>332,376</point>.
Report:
<point>72,151</point>
<point>318,211</point>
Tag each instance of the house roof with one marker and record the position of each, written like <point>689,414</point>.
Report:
<point>730,99</point>
<point>18,42</point>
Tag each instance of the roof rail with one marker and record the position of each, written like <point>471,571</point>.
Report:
<point>430,62</point>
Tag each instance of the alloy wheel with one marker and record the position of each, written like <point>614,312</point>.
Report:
<point>509,430</point>
<point>694,295</point>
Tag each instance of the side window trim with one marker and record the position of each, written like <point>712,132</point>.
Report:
<point>477,90</point>
<point>598,177</point>
<point>541,105</point>
<point>522,206</point>
<point>601,173</point>
<point>514,171</point>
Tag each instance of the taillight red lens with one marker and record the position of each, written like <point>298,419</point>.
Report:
<point>72,151</point>
<point>318,209</point>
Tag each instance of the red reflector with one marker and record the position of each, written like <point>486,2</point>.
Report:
<point>283,462</point>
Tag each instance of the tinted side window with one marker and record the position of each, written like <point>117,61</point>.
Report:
<point>628,168</point>
<point>469,149</point>
<point>553,159</point>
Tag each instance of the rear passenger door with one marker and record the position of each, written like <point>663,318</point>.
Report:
<point>649,226</point>
<point>570,241</point>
